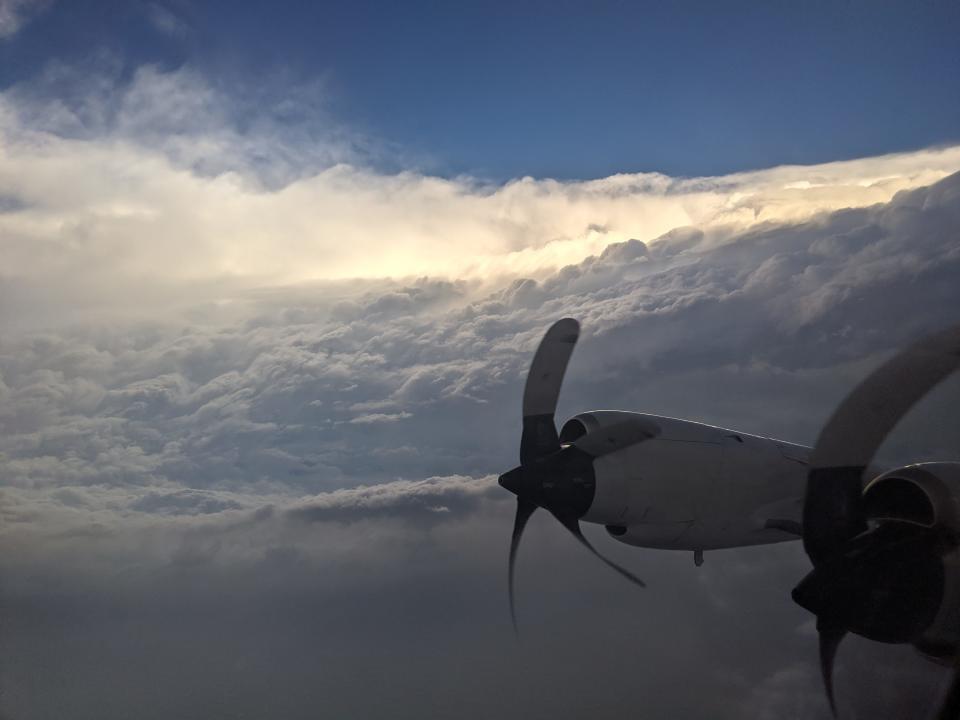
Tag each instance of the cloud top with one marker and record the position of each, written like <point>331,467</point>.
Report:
<point>148,190</point>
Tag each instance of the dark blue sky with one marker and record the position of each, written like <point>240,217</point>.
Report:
<point>562,89</point>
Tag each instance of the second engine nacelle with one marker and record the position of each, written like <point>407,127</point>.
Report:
<point>925,494</point>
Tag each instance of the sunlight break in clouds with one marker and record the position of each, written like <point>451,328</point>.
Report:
<point>159,189</point>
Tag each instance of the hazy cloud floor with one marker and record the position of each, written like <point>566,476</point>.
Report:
<point>282,501</point>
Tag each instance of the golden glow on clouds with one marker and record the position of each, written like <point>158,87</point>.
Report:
<point>104,212</point>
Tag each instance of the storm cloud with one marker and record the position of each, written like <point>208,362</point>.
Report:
<point>275,499</point>
<point>126,192</point>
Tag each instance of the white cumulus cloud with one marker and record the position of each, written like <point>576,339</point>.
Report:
<point>147,192</point>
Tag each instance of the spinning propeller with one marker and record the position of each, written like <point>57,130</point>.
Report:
<point>882,578</point>
<point>559,479</point>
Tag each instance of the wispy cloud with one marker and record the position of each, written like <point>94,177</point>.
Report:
<point>14,14</point>
<point>166,21</point>
<point>410,500</point>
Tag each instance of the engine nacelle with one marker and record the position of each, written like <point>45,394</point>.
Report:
<point>927,494</point>
<point>650,471</point>
<point>576,429</point>
<point>602,434</point>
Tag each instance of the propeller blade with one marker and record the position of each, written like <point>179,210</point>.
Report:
<point>950,708</point>
<point>543,388</point>
<point>830,638</point>
<point>524,510</point>
<point>573,526</point>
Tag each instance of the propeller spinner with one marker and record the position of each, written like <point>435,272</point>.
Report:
<point>559,479</point>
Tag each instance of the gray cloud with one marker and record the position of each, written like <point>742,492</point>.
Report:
<point>283,500</point>
<point>290,616</point>
<point>411,500</point>
<point>305,395</point>
<point>183,502</point>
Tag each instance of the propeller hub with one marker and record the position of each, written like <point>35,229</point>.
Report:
<point>887,586</point>
<point>563,482</point>
<point>513,481</point>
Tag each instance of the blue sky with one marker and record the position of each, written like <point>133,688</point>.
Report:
<point>565,90</point>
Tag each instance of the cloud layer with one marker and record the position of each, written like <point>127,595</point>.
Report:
<point>294,489</point>
<point>235,482</point>
<point>150,190</point>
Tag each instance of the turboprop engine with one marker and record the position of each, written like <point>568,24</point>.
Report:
<point>885,552</point>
